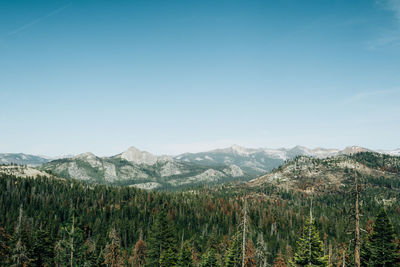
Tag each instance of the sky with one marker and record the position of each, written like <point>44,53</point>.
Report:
<point>176,76</point>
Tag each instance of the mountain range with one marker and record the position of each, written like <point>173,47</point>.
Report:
<point>330,174</point>
<point>144,170</point>
<point>22,159</point>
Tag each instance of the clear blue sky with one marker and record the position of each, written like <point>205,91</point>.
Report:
<point>174,76</point>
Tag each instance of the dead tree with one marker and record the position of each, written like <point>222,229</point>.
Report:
<point>357,242</point>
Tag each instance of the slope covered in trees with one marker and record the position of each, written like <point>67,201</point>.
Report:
<point>46,221</point>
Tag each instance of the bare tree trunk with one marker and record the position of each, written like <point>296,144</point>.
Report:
<point>344,258</point>
<point>19,220</point>
<point>309,231</point>
<point>71,261</point>
<point>357,230</point>
<point>244,232</point>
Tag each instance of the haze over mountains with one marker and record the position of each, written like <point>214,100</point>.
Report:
<point>145,170</point>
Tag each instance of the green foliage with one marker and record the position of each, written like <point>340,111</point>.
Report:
<point>234,256</point>
<point>21,252</point>
<point>379,161</point>
<point>4,246</point>
<point>310,250</point>
<point>70,248</point>
<point>185,256</point>
<point>381,248</point>
<point>209,259</point>
<point>167,258</point>
<point>205,217</point>
<point>161,239</point>
<point>20,255</point>
<point>43,248</point>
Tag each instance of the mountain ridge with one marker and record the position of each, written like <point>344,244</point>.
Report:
<point>308,174</point>
<point>139,168</point>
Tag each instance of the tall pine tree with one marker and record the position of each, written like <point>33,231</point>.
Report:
<point>382,248</point>
<point>161,239</point>
<point>69,250</point>
<point>43,248</point>
<point>310,251</point>
<point>167,258</point>
<point>234,256</point>
<point>112,251</point>
<point>209,259</point>
<point>4,247</point>
<point>139,253</point>
<point>185,256</point>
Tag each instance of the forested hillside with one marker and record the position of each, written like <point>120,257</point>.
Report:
<point>47,222</point>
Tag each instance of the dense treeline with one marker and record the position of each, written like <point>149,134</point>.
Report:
<point>47,222</point>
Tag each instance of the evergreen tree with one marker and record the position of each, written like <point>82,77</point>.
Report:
<point>43,249</point>
<point>19,255</point>
<point>310,251</point>
<point>261,251</point>
<point>279,261</point>
<point>167,258</point>
<point>343,256</point>
<point>69,250</point>
<point>4,247</point>
<point>365,252</point>
<point>185,256</point>
<point>139,253</point>
<point>89,253</point>
<point>234,256</point>
<point>162,238</point>
<point>249,260</point>
<point>112,251</point>
<point>209,259</point>
<point>60,253</point>
<point>382,248</point>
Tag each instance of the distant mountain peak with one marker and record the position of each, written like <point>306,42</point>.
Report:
<point>300,147</point>
<point>21,158</point>
<point>239,149</point>
<point>235,146</point>
<point>133,149</point>
<point>139,157</point>
<point>85,155</point>
<point>353,150</point>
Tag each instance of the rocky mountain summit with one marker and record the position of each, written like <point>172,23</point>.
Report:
<point>262,160</point>
<point>142,169</point>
